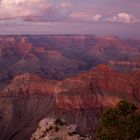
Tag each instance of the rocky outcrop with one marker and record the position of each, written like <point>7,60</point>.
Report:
<point>52,129</point>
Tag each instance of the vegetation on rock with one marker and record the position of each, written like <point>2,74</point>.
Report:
<point>120,123</point>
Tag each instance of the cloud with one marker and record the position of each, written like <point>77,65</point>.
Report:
<point>81,16</point>
<point>34,10</point>
<point>60,10</point>
<point>96,18</point>
<point>123,17</point>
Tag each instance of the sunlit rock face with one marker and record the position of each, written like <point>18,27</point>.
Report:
<point>99,87</point>
<point>28,84</point>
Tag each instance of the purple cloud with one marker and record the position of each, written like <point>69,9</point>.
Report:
<point>70,16</point>
<point>45,10</point>
<point>124,18</point>
<point>34,10</point>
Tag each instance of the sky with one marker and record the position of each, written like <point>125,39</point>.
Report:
<point>98,17</point>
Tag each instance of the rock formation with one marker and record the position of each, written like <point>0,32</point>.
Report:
<point>64,77</point>
<point>124,66</point>
<point>52,129</point>
<point>62,56</point>
<point>99,87</point>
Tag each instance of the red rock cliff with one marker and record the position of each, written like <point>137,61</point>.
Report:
<point>98,87</point>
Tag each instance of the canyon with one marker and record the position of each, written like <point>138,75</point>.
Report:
<point>80,99</point>
<point>61,56</point>
<point>72,77</point>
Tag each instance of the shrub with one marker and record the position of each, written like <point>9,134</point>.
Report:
<point>120,123</point>
<point>59,122</point>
